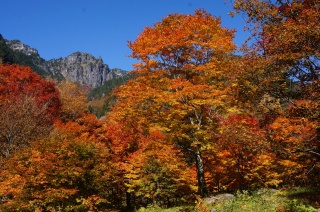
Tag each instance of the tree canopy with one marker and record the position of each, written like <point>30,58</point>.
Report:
<point>195,120</point>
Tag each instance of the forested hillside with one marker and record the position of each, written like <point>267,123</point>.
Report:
<point>194,122</point>
<point>101,99</point>
<point>79,67</point>
<point>7,55</point>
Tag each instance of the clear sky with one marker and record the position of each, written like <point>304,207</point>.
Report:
<point>57,28</point>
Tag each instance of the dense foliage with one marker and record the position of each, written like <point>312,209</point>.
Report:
<point>28,107</point>
<point>196,120</point>
<point>104,93</point>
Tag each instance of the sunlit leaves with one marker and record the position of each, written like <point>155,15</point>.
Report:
<point>181,44</point>
<point>157,170</point>
<point>54,174</point>
<point>73,101</point>
<point>18,81</point>
<point>241,155</point>
<point>195,116</point>
<point>283,65</point>
<point>295,143</point>
<point>182,80</point>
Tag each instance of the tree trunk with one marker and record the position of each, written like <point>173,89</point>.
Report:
<point>202,185</point>
<point>128,200</point>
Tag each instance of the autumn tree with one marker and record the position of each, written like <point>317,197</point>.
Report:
<point>295,146</point>
<point>20,80</point>
<point>286,54</point>
<point>282,63</point>
<point>58,173</point>
<point>123,140</point>
<point>73,100</point>
<point>68,165</point>
<point>241,158</point>
<point>184,64</point>
<point>28,107</point>
<point>157,173</point>
<point>21,122</point>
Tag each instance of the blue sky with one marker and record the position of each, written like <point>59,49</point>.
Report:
<point>57,28</point>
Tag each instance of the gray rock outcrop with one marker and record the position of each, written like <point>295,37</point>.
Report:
<point>16,45</point>
<point>84,68</point>
<point>78,67</point>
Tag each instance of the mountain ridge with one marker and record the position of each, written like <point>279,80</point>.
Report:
<point>78,67</point>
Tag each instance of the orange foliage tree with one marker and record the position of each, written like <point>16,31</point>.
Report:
<point>181,82</point>
<point>241,158</point>
<point>123,141</point>
<point>70,169</point>
<point>57,173</point>
<point>295,142</point>
<point>284,64</point>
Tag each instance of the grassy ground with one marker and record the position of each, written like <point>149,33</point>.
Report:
<point>293,200</point>
<point>269,200</point>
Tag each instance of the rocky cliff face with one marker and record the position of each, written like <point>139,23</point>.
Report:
<point>16,45</point>
<point>84,68</point>
<point>78,67</point>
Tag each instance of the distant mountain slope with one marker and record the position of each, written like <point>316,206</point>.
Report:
<point>104,90</point>
<point>12,54</point>
<point>79,67</point>
<point>101,99</point>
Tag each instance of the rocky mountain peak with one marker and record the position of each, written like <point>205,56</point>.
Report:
<point>78,67</point>
<point>80,57</point>
<point>17,45</point>
<point>83,68</point>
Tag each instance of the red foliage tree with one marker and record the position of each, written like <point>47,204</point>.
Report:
<point>17,81</point>
<point>28,106</point>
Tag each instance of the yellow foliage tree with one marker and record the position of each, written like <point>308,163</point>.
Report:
<point>74,101</point>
